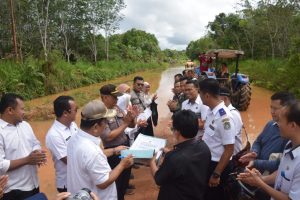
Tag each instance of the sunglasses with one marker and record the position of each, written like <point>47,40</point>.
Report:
<point>140,84</point>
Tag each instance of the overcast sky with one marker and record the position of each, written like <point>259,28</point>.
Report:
<point>174,22</point>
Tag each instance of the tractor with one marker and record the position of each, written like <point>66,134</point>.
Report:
<point>238,83</point>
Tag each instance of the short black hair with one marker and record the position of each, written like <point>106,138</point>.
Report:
<point>210,86</point>
<point>9,100</point>
<point>178,75</point>
<point>293,112</point>
<point>183,72</point>
<point>62,104</point>
<point>284,97</point>
<point>87,124</point>
<point>183,78</point>
<point>178,81</point>
<point>194,82</point>
<point>186,122</point>
<point>136,78</point>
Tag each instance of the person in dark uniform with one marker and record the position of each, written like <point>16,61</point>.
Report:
<point>184,172</point>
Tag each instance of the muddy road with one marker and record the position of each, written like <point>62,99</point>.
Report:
<point>254,119</point>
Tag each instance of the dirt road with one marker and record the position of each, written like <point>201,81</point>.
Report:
<point>254,119</point>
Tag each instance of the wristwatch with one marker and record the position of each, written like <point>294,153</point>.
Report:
<point>215,175</point>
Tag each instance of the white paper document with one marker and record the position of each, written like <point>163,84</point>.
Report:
<point>145,142</point>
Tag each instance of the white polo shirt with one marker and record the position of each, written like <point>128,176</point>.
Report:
<point>219,130</point>
<point>88,166</point>
<point>197,107</point>
<point>56,141</point>
<point>288,174</point>
<point>18,142</point>
<point>238,126</point>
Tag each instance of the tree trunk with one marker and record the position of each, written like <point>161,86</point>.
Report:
<point>13,29</point>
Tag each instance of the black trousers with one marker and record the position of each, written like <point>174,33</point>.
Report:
<point>219,192</point>
<point>60,190</point>
<point>20,195</point>
<point>123,180</point>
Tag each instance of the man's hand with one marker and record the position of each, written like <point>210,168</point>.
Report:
<point>129,117</point>
<point>62,195</point>
<point>201,124</point>
<point>37,157</point>
<point>248,157</point>
<point>142,123</point>
<point>252,177</point>
<point>118,149</point>
<point>154,97</point>
<point>127,162</point>
<point>172,104</point>
<point>3,182</point>
<point>213,182</point>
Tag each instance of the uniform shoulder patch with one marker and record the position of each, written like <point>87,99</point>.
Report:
<point>226,125</point>
<point>222,112</point>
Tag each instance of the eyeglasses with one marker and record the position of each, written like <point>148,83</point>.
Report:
<point>140,84</point>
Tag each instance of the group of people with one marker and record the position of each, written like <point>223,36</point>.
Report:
<point>219,125</point>
<point>84,157</point>
<point>206,127</point>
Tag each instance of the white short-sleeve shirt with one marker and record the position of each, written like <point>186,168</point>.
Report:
<point>88,167</point>
<point>238,127</point>
<point>124,102</point>
<point>56,141</point>
<point>288,174</point>
<point>18,142</point>
<point>219,130</point>
<point>197,107</point>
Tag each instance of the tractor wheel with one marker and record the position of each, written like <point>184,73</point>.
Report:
<point>241,98</point>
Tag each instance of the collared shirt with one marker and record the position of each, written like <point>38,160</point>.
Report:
<point>124,102</point>
<point>18,142</point>
<point>138,99</point>
<point>88,167</point>
<point>219,130</point>
<point>269,141</point>
<point>238,127</point>
<point>197,107</point>
<point>184,171</point>
<point>288,174</point>
<point>114,123</point>
<point>56,141</point>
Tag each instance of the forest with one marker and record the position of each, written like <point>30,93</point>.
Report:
<point>268,31</point>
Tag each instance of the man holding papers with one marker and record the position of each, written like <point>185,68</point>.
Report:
<point>184,172</point>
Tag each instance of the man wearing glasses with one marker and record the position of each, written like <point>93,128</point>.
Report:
<point>62,129</point>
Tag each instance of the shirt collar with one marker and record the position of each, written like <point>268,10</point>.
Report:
<point>198,100</point>
<point>90,137</point>
<point>218,107</point>
<point>292,151</point>
<point>184,144</point>
<point>60,126</point>
<point>3,124</point>
<point>275,124</point>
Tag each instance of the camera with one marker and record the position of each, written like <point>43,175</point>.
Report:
<point>83,194</point>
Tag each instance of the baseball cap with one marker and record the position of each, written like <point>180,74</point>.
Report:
<point>110,89</point>
<point>225,92</point>
<point>96,110</point>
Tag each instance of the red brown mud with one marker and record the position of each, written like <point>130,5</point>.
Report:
<point>254,119</point>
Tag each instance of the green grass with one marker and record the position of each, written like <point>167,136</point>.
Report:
<point>275,75</point>
<point>33,78</point>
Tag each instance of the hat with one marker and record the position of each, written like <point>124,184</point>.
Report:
<point>110,89</point>
<point>96,110</point>
<point>225,92</point>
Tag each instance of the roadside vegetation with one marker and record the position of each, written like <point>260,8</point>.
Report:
<point>268,33</point>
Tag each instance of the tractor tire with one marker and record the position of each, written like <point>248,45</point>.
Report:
<point>242,97</point>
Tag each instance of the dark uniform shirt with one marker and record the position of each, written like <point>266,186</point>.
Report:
<point>184,172</point>
<point>138,99</point>
<point>114,123</point>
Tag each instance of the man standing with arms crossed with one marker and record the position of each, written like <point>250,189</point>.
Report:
<point>219,135</point>
<point>20,151</point>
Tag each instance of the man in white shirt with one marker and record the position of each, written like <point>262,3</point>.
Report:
<point>225,96</point>
<point>219,135</point>
<point>58,135</point>
<point>194,103</point>
<point>20,151</point>
<point>87,162</point>
<point>286,179</point>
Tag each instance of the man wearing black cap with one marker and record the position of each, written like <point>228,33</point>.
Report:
<point>114,135</point>
<point>225,95</point>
